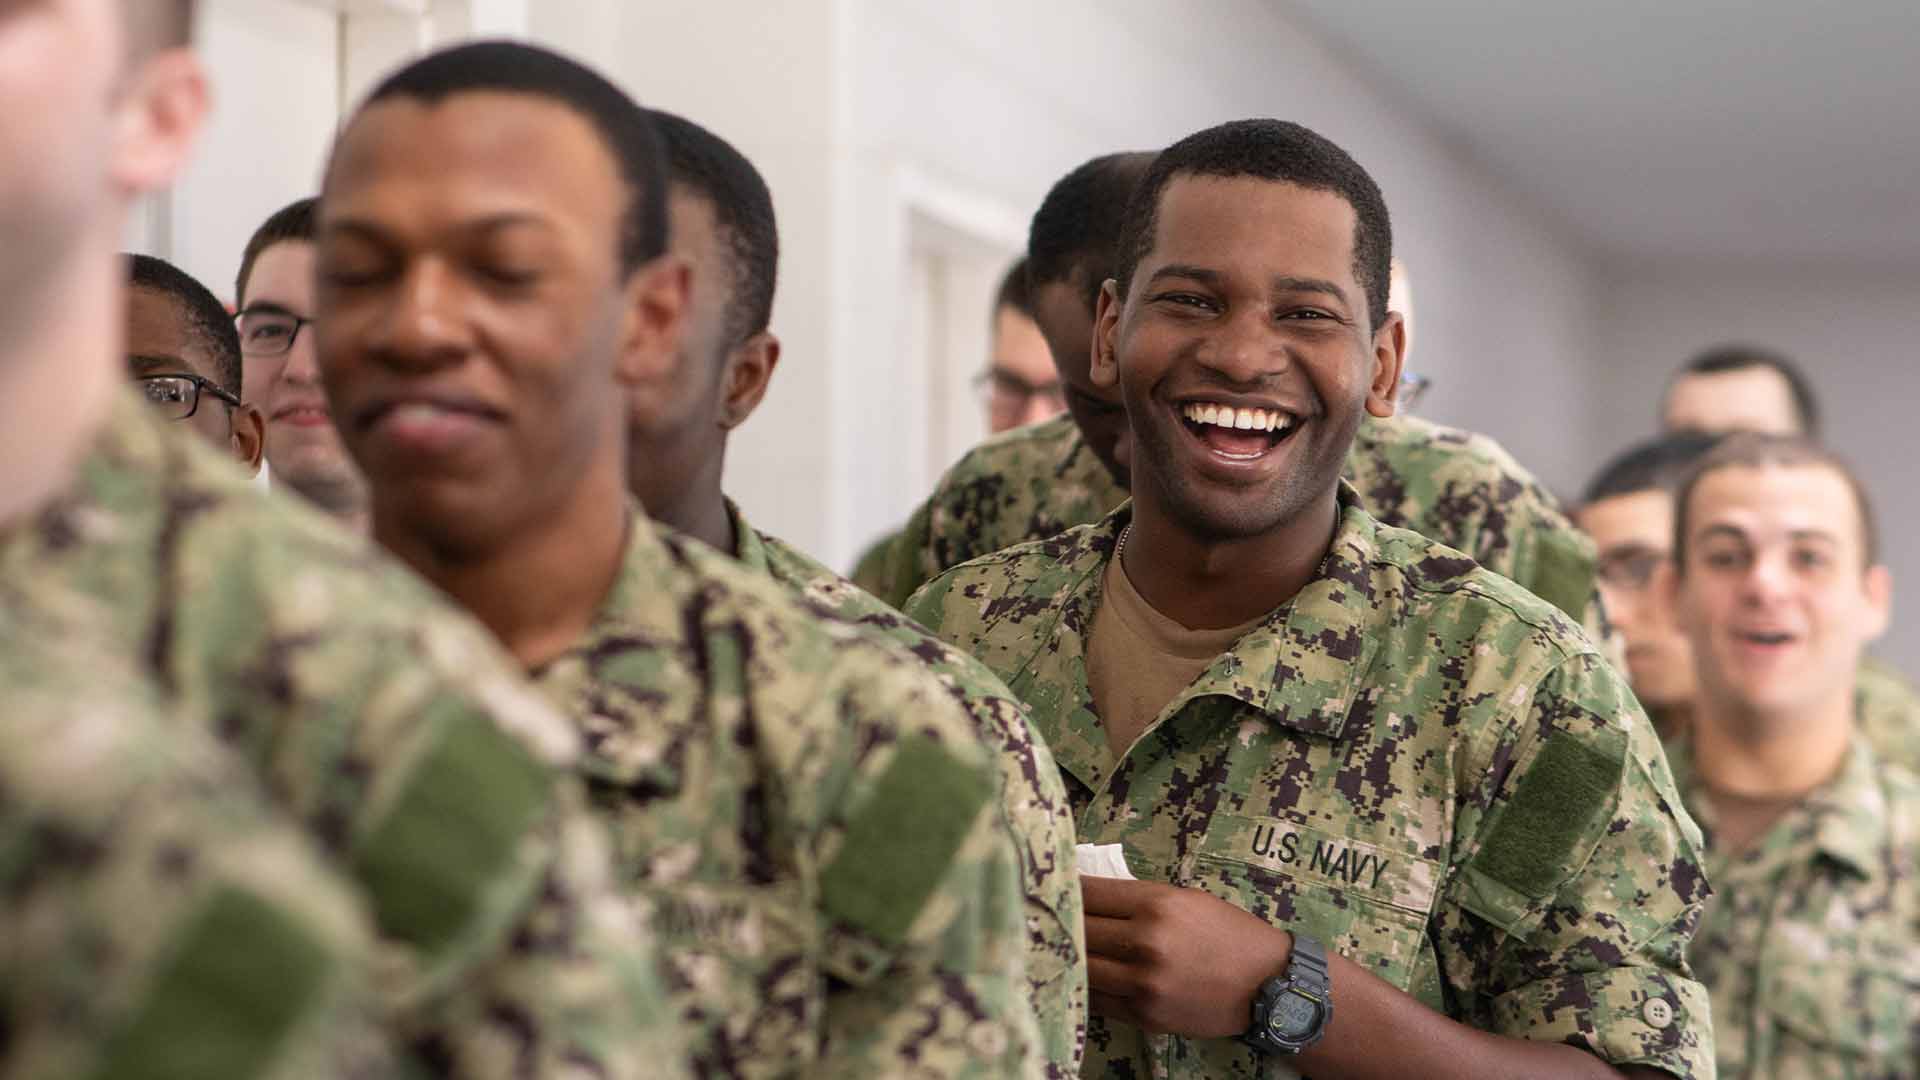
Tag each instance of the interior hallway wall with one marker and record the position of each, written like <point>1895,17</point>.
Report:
<point>850,106</point>
<point>1853,330</point>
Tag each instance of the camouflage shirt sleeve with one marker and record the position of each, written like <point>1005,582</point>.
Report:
<point>1580,885</point>
<point>161,919</point>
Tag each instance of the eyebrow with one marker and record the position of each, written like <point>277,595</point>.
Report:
<point>491,223</point>
<point>147,362</point>
<point>267,307</point>
<point>1819,535</point>
<point>1280,283</point>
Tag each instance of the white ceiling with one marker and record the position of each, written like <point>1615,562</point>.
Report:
<point>1779,130</point>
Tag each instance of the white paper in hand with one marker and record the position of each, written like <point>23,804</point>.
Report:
<point>1102,860</point>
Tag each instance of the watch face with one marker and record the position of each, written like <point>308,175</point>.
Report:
<point>1294,1016</point>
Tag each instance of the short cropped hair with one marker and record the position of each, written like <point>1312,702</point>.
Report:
<point>1079,222</point>
<point>157,25</point>
<point>1742,357</point>
<point>1284,153</point>
<point>712,168</point>
<point>1658,464</point>
<point>206,316</point>
<point>1749,449</point>
<point>510,67</point>
<point>1014,291</point>
<point>292,222</point>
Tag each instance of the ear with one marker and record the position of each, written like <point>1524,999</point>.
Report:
<point>247,434</point>
<point>1879,589</point>
<point>656,302</point>
<point>157,119</point>
<point>1105,372</point>
<point>1389,353</point>
<point>749,373</point>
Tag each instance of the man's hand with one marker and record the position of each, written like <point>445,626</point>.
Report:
<point>1167,959</point>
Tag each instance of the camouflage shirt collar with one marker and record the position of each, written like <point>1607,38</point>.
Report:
<point>748,546</point>
<point>1845,820</point>
<point>641,600</point>
<point>1326,626</point>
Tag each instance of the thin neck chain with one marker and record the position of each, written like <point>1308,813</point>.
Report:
<point>1120,546</point>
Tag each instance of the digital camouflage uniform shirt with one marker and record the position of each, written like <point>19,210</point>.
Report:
<point>1810,946</point>
<point>388,728</point>
<point>1889,714</point>
<point>161,920</point>
<point>1033,801</point>
<point>810,817</point>
<point>1413,760</point>
<point>1453,486</point>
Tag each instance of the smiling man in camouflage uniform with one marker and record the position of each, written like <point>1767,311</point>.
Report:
<point>810,817</point>
<point>1392,812</point>
<point>287,769</point>
<point>1460,488</point>
<point>1810,946</point>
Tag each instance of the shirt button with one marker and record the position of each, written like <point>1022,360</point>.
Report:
<point>1658,1012</point>
<point>987,1038</point>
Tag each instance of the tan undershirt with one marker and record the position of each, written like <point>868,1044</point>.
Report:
<point>1739,820</point>
<point>1138,659</point>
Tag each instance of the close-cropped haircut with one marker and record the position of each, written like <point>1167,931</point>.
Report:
<point>1015,292</point>
<point>1277,151</point>
<point>1752,450</point>
<point>207,318</point>
<point>1078,224</point>
<point>1658,464</point>
<point>509,67</point>
<point>157,25</point>
<point>1737,357</point>
<point>711,168</point>
<point>292,222</point>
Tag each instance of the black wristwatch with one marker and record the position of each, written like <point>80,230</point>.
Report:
<point>1291,1012</point>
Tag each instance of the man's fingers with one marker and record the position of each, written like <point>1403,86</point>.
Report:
<point>1113,1008</point>
<point>1105,976</point>
<point>1113,896</point>
<point>1112,938</point>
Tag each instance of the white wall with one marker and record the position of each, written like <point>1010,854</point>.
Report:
<point>1002,97</point>
<point>1854,330</point>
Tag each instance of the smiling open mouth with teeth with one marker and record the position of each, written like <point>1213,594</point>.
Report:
<point>1237,433</point>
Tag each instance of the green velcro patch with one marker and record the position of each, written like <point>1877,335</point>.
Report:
<point>242,975</point>
<point>1560,802</point>
<point>451,831</point>
<point>1563,576</point>
<point>899,845</point>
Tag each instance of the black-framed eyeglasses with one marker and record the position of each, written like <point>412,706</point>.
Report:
<point>1004,390</point>
<point>1413,387</point>
<point>177,397</point>
<point>268,331</point>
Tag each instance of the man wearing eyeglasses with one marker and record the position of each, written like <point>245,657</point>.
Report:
<point>184,357</point>
<point>1020,385</point>
<point>275,293</point>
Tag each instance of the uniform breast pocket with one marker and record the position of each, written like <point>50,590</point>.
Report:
<point>743,963</point>
<point>1367,902</point>
<point>1853,1016</point>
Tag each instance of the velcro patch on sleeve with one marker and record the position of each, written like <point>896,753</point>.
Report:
<point>1563,576</point>
<point>899,844</point>
<point>241,976</point>
<point>1561,801</point>
<point>451,831</point>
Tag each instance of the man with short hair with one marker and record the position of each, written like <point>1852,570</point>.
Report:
<point>1809,944</point>
<point>723,225</point>
<point>1387,804</point>
<point>810,818</point>
<point>1021,384</point>
<point>385,745</point>
<point>184,356</point>
<point>1628,510</point>
<point>1741,388</point>
<point>1457,487</point>
<point>275,292</point>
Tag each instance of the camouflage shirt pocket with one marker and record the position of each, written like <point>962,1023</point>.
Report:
<point>743,966</point>
<point>1368,902</point>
